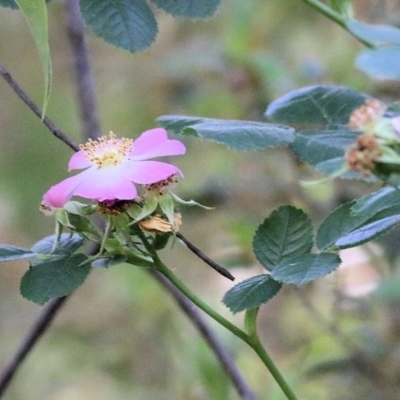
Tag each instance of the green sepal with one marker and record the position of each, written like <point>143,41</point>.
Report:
<point>149,206</point>
<point>166,203</point>
<point>182,202</point>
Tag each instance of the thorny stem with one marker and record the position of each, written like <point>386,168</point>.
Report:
<point>57,132</point>
<point>206,259</point>
<point>35,333</point>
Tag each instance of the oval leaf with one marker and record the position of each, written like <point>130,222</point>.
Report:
<point>35,12</point>
<point>368,232</point>
<point>323,105</point>
<point>338,224</point>
<point>286,233</point>
<point>325,149</point>
<point>67,243</point>
<point>377,34</point>
<point>383,62</point>
<point>129,24</point>
<point>306,268</point>
<point>9,253</point>
<point>189,8</point>
<point>239,135</point>
<point>251,293</point>
<point>48,280</point>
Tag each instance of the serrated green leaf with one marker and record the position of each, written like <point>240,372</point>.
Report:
<point>239,135</point>
<point>322,105</point>
<point>9,253</point>
<point>129,24</point>
<point>286,233</point>
<point>339,223</point>
<point>35,12</point>
<point>359,221</point>
<point>383,62</point>
<point>305,268</point>
<point>67,243</point>
<point>325,149</point>
<point>387,198</point>
<point>377,34</point>
<point>189,8</point>
<point>368,232</point>
<point>52,279</point>
<point>251,293</point>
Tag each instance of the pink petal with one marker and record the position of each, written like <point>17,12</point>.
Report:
<point>78,161</point>
<point>105,184</point>
<point>59,194</point>
<point>155,143</point>
<point>146,172</point>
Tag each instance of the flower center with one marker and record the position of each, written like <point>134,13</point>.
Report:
<point>107,151</point>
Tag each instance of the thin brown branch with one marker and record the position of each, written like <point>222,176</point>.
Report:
<point>206,259</point>
<point>224,358</point>
<point>57,132</point>
<point>34,334</point>
<point>83,75</point>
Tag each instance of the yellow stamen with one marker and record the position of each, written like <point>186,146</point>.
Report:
<point>107,151</point>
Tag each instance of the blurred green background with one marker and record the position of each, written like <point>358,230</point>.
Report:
<point>120,336</point>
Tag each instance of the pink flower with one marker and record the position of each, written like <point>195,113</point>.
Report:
<point>113,165</point>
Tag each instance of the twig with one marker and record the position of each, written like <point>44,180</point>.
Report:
<point>34,334</point>
<point>57,132</point>
<point>206,259</point>
<point>84,78</point>
<point>209,336</point>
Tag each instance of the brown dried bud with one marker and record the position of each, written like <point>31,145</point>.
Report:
<point>368,113</point>
<point>161,224</point>
<point>114,207</point>
<point>363,154</point>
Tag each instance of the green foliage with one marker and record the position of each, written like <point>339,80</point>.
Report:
<point>383,62</point>
<point>12,3</point>
<point>66,243</point>
<point>251,293</point>
<point>54,278</point>
<point>377,34</point>
<point>107,262</point>
<point>35,12</point>
<point>360,221</point>
<point>322,105</point>
<point>286,233</point>
<point>325,149</point>
<point>189,8</point>
<point>9,253</point>
<point>305,268</point>
<point>129,24</point>
<point>238,135</point>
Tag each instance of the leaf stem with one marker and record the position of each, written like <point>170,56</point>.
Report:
<point>335,17</point>
<point>253,340</point>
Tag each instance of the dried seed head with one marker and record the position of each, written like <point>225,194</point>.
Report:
<point>363,154</point>
<point>370,112</point>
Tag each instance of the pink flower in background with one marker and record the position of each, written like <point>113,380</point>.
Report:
<point>112,167</point>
